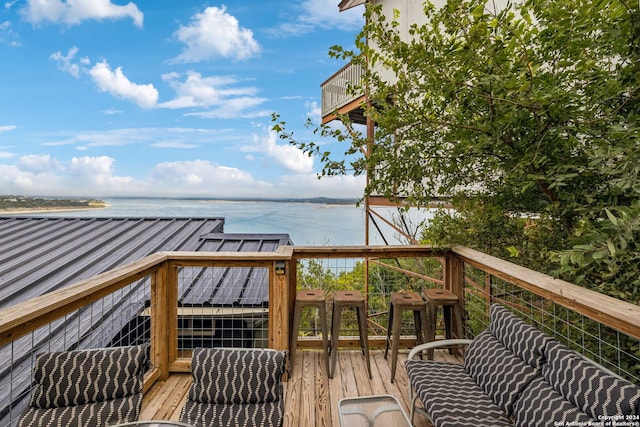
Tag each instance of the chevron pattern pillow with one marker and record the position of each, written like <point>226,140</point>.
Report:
<point>497,371</point>
<point>541,406</point>
<point>87,387</point>
<point>236,376</point>
<point>519,337</point>
<point>583,384</point>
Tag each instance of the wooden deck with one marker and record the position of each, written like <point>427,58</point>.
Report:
<point>311,399</point>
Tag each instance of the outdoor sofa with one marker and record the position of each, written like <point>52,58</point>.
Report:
<point>513,374</point>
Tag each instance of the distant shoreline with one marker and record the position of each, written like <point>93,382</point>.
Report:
<point>21,211</point>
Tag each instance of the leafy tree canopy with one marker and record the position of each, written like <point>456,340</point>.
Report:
<point>525,117</point>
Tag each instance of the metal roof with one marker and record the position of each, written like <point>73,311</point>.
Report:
<point>40,254</point>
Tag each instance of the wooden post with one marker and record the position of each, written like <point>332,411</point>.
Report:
<point>453,270</point>
<point>171,313</point>
<point>279,274</point>
<point>159,327</point>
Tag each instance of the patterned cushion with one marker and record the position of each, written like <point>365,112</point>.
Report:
<point>497,371</point>
<point>235,388</point>
<point>451,397</point>
<point>519,337</point>
<point>87,376</point>
<point>87,387</point>
<point>541,406</point>
<point>588,387</point>
<point>233,415</point>
<point>110,412</point>
<point>236,376</point>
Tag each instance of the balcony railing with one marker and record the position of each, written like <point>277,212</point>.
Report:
<point>337,90</point>
<point>170,300</point>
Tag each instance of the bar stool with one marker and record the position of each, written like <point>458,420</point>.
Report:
<point>310,298</point>
<point>401,302</point>
<point>449,302</point>
<point>342,300</point>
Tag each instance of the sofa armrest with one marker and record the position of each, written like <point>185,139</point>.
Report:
<point>436,344</point>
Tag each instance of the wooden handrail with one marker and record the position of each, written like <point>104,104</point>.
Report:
<point>615,313</point>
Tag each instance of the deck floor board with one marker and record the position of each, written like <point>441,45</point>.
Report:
<point>311,399</point>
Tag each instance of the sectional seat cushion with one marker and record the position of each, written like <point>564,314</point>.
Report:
<point>541,406</point>
<point>451,397</point>
<point>236,376</point>
<point>588,387</point>
<point>87,387</point>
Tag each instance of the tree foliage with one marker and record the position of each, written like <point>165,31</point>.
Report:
<point>525,117</point>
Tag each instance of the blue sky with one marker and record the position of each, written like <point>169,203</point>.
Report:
<point>165,97</point>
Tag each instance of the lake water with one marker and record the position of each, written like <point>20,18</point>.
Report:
<point>305,223</point>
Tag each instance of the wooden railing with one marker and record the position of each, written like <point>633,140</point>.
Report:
<point>335,90</point>
<point>471,275</point>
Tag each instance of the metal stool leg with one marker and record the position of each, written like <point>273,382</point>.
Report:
<point>325,335</point>
<point>364,339</point>
<point>335,337</point>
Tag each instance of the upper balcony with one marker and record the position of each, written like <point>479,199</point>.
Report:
<point>170,300</point>
<point>338,96</point>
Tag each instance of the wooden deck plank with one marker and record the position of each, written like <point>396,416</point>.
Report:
<point>307,407</point>
<point>166,398</point>
<point>311,399</point>
<point>323,401</point>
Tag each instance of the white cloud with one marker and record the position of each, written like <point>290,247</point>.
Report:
<point>315,111</point>
<point>7,128</point>
<point>112,81</point>
<point>214,33</point>
<point>96,176</point>
<point>73,12</point>
<point>118,85</point>
<point>38,163</point>
<point>287,156</point>
<point>81,176</point>
<point>64,62</point>
<point>6,155</point>
<point>324,14</point>
<point>172,144</point>
<point>7,35</point>
<point>97,172</point>
<point>205,178</point>
<point>223,93</point>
